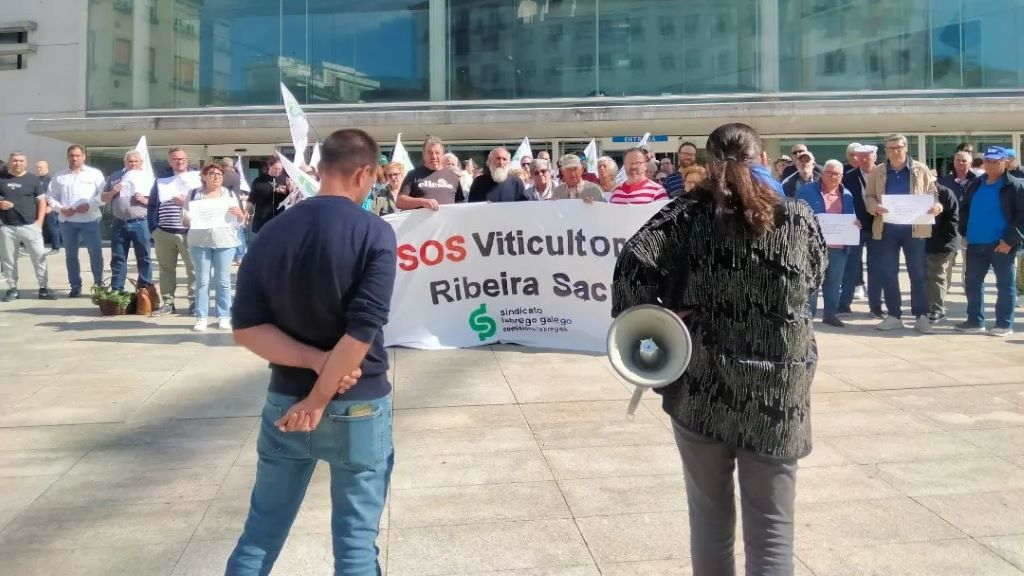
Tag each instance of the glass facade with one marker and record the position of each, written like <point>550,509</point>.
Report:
<point>206,53</point>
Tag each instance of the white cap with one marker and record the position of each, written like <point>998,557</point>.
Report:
<point>865,149</point>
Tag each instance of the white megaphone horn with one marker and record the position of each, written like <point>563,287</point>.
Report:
<point>650,347</point>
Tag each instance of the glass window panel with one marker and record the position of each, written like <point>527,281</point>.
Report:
<point>186,53</point>
<point>718,48</point>
<point>521,49</point>
<point>900,44</point>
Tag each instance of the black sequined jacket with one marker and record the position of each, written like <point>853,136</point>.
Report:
<point>748,382</point>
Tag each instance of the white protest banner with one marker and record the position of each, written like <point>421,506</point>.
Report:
<point>314,158</point>
<point>839,229</point>
<point>143,149</point>
<point>401,155</point>
<point>532,273</point>
<point>307,185</point>
<point>908,208</point>
<point>591,153</point>
<point>524,151</point>
<point>297,124</point>
<point>243,183</point>
<point>211,213</point>
<point>621,176</point>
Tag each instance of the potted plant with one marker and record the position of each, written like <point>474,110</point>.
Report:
<point>112,303</point>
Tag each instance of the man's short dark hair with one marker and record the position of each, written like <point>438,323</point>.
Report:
<point>685,144</point>
<point>78,147</point>
<point>346,151</point>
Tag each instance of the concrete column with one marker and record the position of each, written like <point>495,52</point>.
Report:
<point>438,45</point>
<point>768,27</point>
<point>140,53</point>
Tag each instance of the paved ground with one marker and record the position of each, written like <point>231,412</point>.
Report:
<point>127,447</point>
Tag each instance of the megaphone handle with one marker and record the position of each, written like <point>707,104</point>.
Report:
<point>634,402</point>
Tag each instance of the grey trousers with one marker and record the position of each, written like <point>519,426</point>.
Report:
<point>939,278</point>
<point>32,237</point>
<point>767,494</point>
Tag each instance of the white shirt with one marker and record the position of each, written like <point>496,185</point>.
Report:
<point>69,189</point>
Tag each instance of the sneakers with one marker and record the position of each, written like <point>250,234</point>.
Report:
<point>11,295</point>
<point>834,321</point>
<point>878,314</point>
<point>937,318</point>
<point>224,324</point>
<point>163,310</point>
<point>1000,332</point>
<point>923,325</point>
<point>844,310</point>
<point>890,323</point>
<point>74,292</point>
<point>970,328</point>
<point>200,325</point>
<point>53,251</point>
<point>858,293</point>
<point>45,294</point>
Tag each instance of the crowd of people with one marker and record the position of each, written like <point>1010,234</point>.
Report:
<point>978,209</point>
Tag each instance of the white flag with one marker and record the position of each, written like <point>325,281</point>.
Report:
<point>522,152</point>
<point>401,156</point>
<point>621,176</point>
<point>306,184</point>
<point>297,124</point>
<point>243,184</point>
<point>143,151</point>
<point>314,159</point>
<point>590,152</point>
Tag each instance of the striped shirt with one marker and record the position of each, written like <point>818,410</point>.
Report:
<point>643,192</point>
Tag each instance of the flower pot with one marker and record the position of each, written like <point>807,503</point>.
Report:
<point>108,308</point>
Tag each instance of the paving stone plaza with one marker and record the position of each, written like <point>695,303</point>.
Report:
<point>128,447</point>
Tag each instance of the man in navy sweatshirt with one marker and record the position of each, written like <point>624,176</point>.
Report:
<point>312,298</point>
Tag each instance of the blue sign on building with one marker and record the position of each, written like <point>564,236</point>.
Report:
<point>636,139</point>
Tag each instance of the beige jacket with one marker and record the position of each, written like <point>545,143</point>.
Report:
<point>922,182</point>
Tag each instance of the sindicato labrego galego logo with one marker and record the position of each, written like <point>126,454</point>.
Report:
<point>482,323</point>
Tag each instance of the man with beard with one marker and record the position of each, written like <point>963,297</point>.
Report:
<point>430,185</point>
<point>495,185</point>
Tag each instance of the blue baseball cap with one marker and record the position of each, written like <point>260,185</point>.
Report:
<point>997,153</point>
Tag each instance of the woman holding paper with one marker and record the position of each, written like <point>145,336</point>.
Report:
<point>213,216</point>
<point>830,201</point>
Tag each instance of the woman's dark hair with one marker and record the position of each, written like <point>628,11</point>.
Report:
<point>742,201</point>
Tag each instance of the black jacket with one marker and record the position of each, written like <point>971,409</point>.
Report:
<point>949,181</point>
<point>945,236</point>
<point>854,181</point>
<point>793,183</point>
<point>1011,199</point>
<point>485,189</point>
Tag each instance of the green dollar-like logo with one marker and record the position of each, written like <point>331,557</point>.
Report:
<point>481,323</point>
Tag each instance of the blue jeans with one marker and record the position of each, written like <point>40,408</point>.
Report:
<point>134,235</point>
<point>243,246</point>
<point>75,235</point>
<point>220,259</point>
<point>884,269</point>
<point>981,257</point>
<point>832,285</point>
<point>51,231</point>
<point>854,274</point>
<point>359,451</point>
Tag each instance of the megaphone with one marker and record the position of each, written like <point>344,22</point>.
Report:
<point>650,347</point>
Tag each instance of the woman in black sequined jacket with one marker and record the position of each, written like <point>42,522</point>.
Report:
<point>737,261</point>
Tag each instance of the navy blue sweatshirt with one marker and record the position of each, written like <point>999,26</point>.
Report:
<point>318,271</point>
